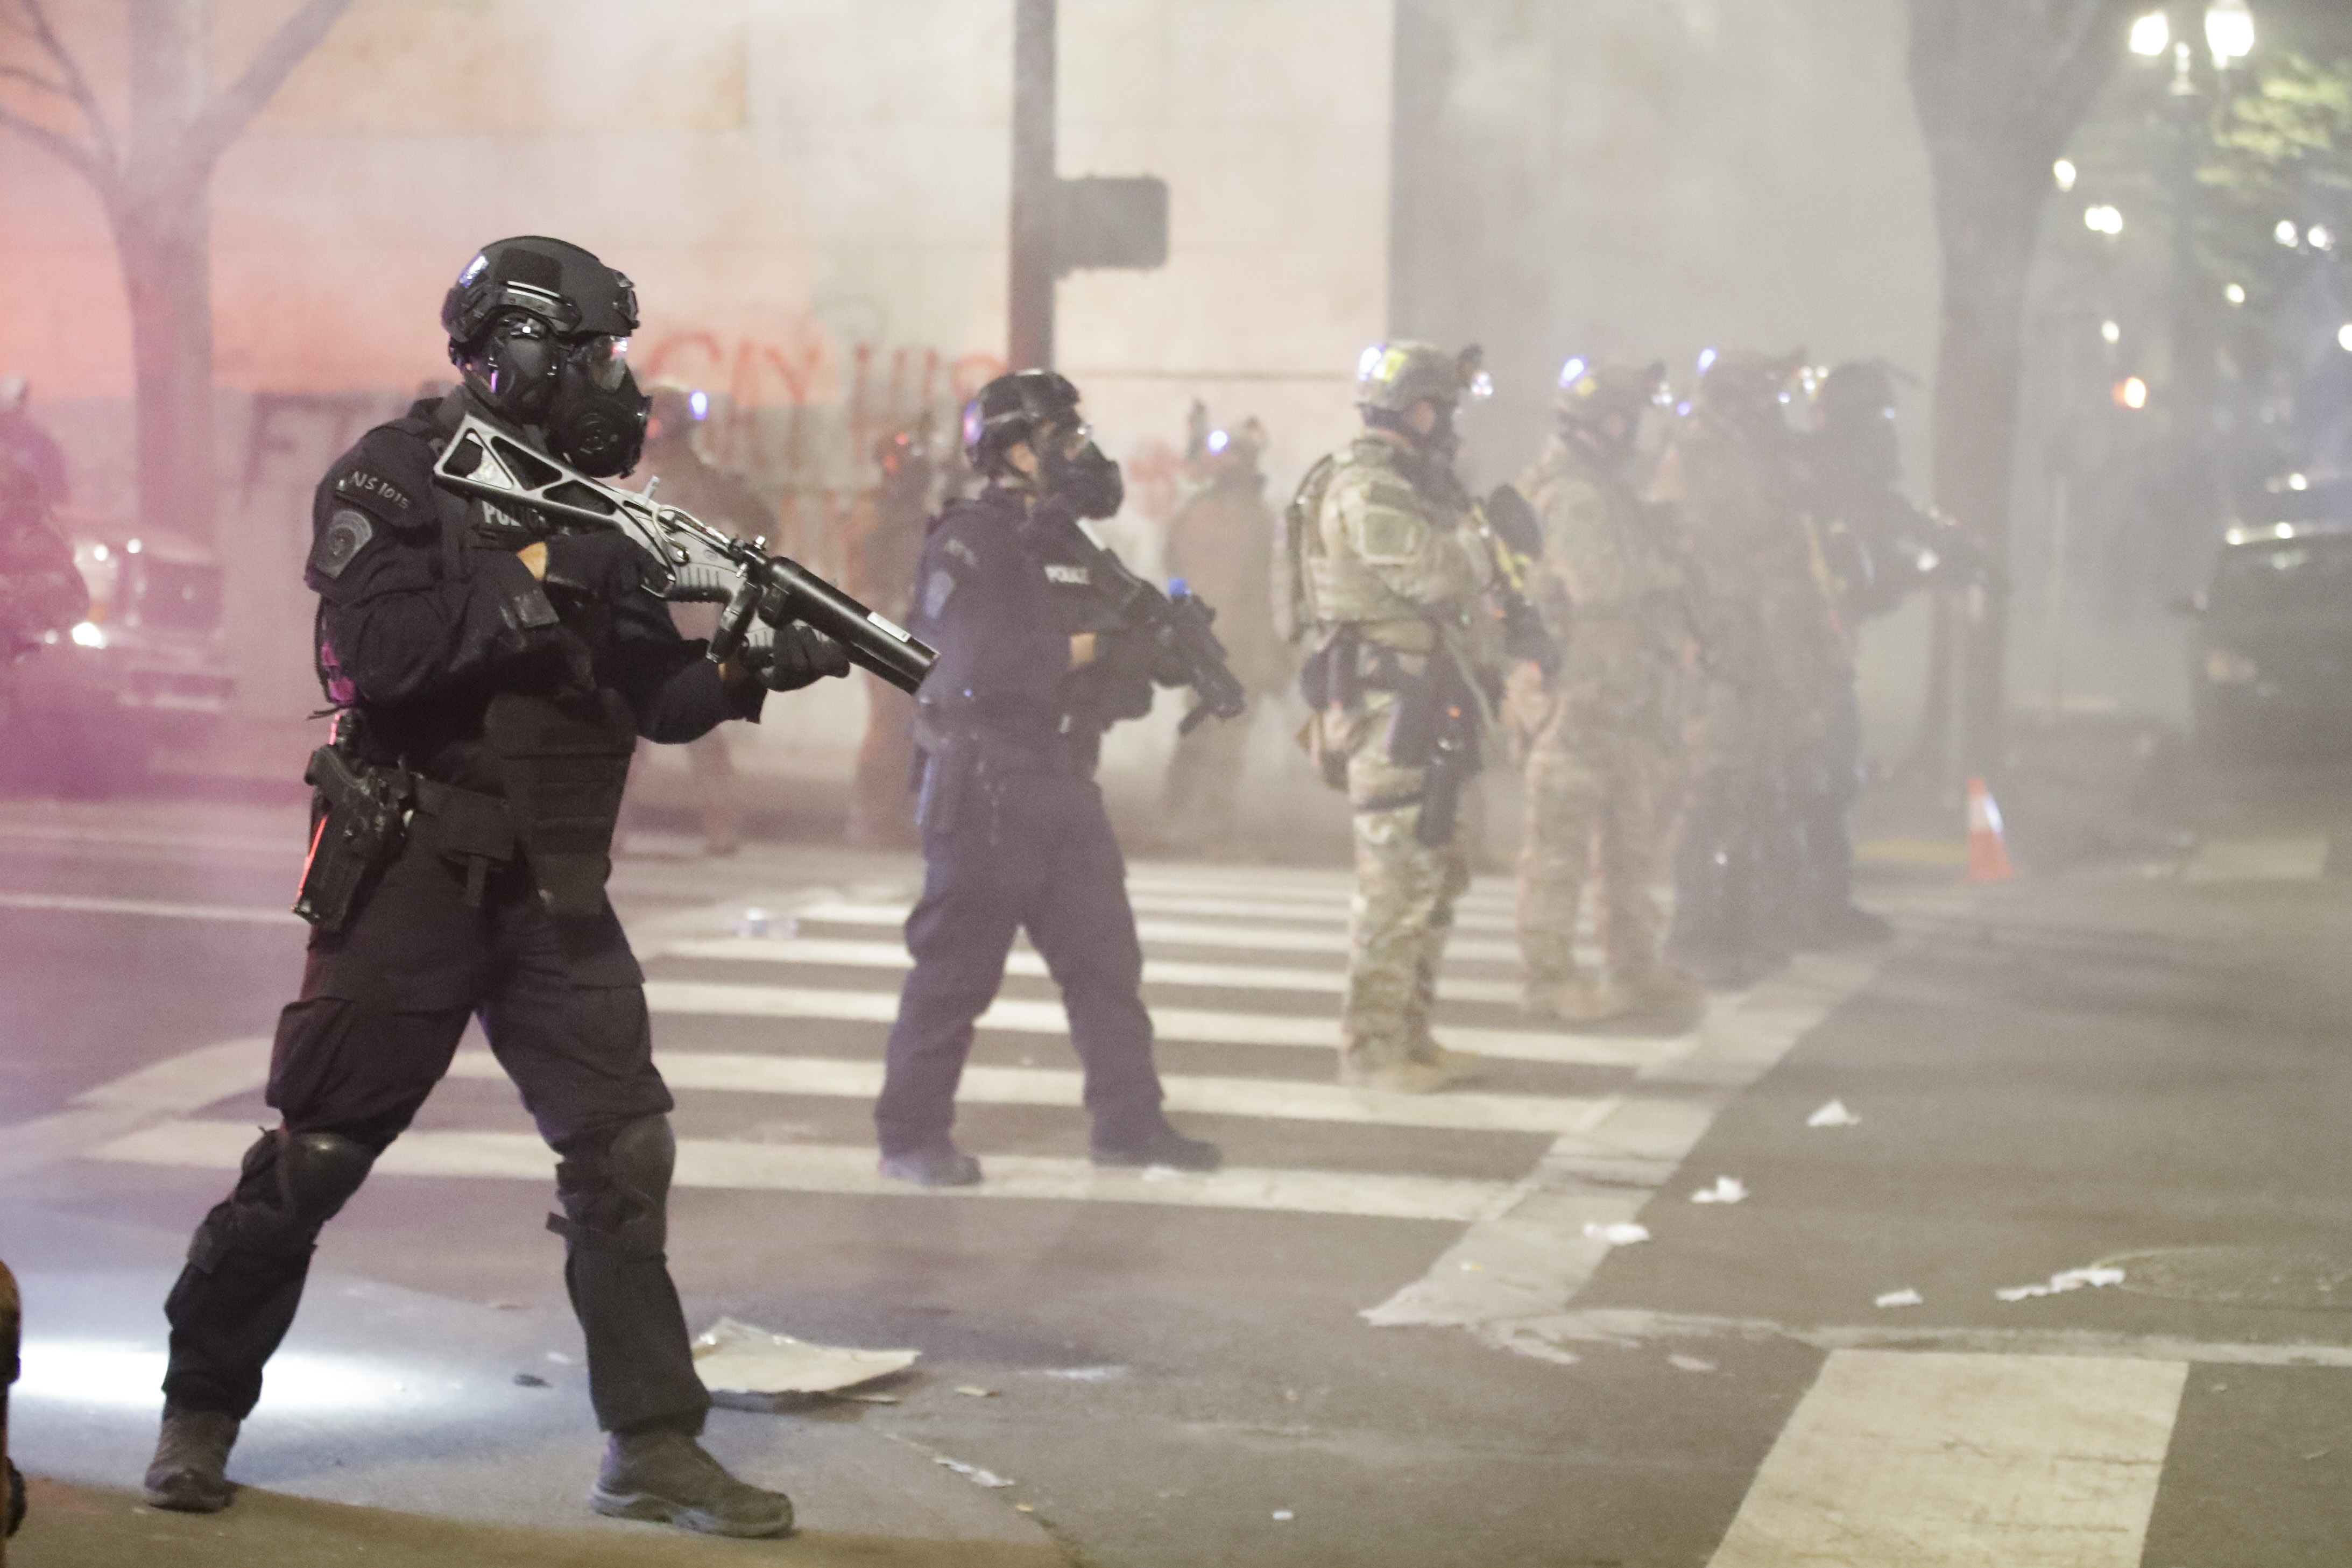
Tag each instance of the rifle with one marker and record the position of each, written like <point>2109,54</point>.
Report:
<point>1514,534</point>
<point>700,564</point>
<point>1180,618</point>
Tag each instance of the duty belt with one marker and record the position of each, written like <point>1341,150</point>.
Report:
<point>464,825</point>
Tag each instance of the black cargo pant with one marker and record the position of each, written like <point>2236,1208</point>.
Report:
<point>380,1015</point>
<point>1029,851</point>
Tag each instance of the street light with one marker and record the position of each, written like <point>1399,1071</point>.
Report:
<point>2344,338</point>
<point>2229,32</point>
<point>2062,171</point>
<point>2152,34</point>
<point>2286,234</point>
<point>2104,219</point>
<point>2111,332</point>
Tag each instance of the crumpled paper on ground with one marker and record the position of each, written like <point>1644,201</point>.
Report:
<point>1833,1114</point>
<point>1624,1233</point>
<point>2066,1280</point>
<point>740,1358</point>
<point>1727,1189</point>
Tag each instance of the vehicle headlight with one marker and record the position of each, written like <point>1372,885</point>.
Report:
<point>2228,666</point>
<point>89,634</point>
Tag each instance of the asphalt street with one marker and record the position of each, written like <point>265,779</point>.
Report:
<point>1393,1331</point>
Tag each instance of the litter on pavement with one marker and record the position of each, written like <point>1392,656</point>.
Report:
<point>739,1358</point>
<point>1624,1233</point>
<point>974,1390</point>
<point>1727,1189</point>
<point>2063,1281</point>
<point>1689,1363</point>
<point>1833,1114</point>
<point>1902,1298</point>
<point>1283,1516</point>
<point>973,1473</point>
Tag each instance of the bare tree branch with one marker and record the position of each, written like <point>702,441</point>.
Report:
<point>81,157</point>
<point>77,86</point>
<point>231,110</point>
<point>33,79</point>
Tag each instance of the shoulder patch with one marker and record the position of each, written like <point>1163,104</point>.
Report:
<point>358,483</point>
<point>1074,576</point>
<point>340,543</point>
<point>937,593</point>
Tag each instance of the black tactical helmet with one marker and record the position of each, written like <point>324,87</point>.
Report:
<point>567,286</point>
<point>1012,410</point>
<point>1855,393</point>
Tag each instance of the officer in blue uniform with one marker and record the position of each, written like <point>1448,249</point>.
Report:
<point>1031,672</point>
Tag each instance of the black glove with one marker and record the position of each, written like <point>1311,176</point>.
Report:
<point>1515,522</point>
<point>605,564</point>
<point>801,655</point>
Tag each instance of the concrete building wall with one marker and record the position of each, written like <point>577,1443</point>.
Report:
<point>811,196</point>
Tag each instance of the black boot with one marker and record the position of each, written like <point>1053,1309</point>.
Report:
<point>665,1478</point>
<point>189,1474</point>
<point>1161,1145</point>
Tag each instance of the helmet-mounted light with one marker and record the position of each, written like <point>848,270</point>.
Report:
<point>697,403</point>
<point>1572,372</point>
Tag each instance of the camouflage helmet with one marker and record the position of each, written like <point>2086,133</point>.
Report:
<point>1738,381</point>
<point>1592,390</point>
<point>1393,377</point>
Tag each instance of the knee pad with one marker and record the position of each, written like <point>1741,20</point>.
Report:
<point>291,1184</point>
<point>614,1188</point>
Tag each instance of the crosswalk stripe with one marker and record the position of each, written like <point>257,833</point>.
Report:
<point>78,904</point>
<point>1280,1099</point>
<point>1935,1461</point>
<point>852,953</point>
<point>1154,903</point>
<point>1183,933</point>
<point>1196,1026</point>
<point>707,1163</point>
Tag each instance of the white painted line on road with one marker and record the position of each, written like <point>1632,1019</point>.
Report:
<point>1184,933</point>
<point>1932,1460</point>
<point>77,904</point>
<point>1509,1276</point>
<point>177,1087</point>
<point>851,953</point>
<point>1625,1326</point>
<point>774,1167</point>
<point>1280,1099</point>
<point>1195,1026</point>
<point>2302,858</point>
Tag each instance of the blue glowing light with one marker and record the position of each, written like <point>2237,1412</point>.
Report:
<point>1218,442</point>
<point>1571,372</point>
<point>697,401</point>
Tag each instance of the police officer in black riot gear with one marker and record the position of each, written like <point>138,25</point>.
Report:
<point>492,673</point>
<point>1031,672</point>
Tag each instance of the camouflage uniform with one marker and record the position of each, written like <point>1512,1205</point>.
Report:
<point>1600,737</point>
<point>1221,542</point>
<point>1392,564</point>
<point>1770,645</point>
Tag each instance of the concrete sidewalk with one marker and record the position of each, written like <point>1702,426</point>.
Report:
<point>81,1527</point>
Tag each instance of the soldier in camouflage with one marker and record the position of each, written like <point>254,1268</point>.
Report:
<point>1388,558</point>
<point>1770,644</point>
<point>1600,736</point>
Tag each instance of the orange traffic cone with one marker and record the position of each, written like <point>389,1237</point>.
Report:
<point>1987,849</point>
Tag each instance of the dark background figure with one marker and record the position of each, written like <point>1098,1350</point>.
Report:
<point>725,500</point>
<point>1221,542</point>
<point>34,449</point>
<point>886,545</point>
<point>1031,673</point>
<point>493,674</point>
<point>40,589</point>
<point>1769,649</point>
<point>1876,547</point>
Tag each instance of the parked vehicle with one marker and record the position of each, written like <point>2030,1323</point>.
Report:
<point>88,709</point>
<point>2270,660</point>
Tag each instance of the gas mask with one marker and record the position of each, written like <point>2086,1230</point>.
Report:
<point>596,417</point>
<point>1086,481</point>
